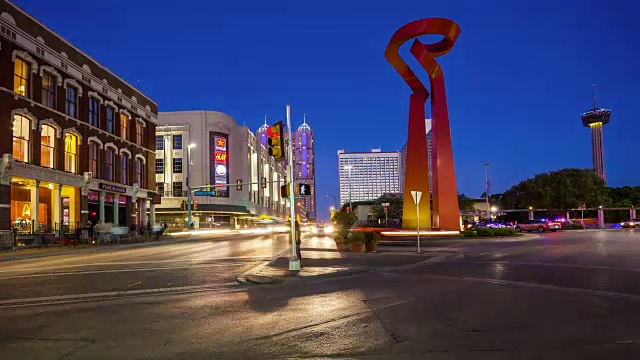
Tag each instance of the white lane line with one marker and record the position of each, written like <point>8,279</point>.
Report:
<point>578,266</point>
<point>112,294</point>
<point>118,270</point>
<point>533,285</point>
<point>258,257</point>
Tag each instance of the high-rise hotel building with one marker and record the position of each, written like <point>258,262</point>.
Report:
<point>368,175</point>
<point>76,141</point>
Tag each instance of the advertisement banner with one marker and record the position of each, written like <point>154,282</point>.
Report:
<point>219,162</point>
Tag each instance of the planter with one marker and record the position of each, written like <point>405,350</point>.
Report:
<point>371,247</point>
<point>341,244</point>
<point>356,246</point>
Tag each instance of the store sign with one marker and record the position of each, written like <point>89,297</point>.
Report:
<point>112,188</point>
<point>219,163</point>
<point>156,199</point>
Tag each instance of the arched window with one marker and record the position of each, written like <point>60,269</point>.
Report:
<point>21,137</point>
<point>110,159</point>
<point>70,152</point>
<point>124,169</point>
<point>47,146</point>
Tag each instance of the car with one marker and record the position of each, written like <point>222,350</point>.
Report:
<point>322,229</point>
<point>540,225</point>
<point>633,223</point>
<point>490,223</point>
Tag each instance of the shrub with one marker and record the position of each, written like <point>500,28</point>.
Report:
<point>469,233</point>
<point>371,237</point>
<point>507,231</point>
<point>485,232</point>
<point>357,237</point>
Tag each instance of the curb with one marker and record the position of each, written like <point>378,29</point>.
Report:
<point>460,241</point>
<point>248,278</point>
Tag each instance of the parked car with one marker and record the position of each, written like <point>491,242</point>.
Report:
<point>539,225</point>
<point>490,223</point>
<point>633,223</point>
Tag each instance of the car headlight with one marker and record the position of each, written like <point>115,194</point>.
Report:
<point>314,230</point>
<point>328,229</point>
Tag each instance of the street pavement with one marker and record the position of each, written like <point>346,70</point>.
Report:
<point>565,295</point>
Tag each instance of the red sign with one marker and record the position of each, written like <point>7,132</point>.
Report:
<point>221,143</point>
<point>220,156</point>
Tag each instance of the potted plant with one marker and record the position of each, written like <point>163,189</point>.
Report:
<point>356,242</point>
<point>343,222</point>
<point>371,239</point>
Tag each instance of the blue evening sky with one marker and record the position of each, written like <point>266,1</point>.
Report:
<point>517,80</point>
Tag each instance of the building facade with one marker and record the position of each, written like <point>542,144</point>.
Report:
<point>403,157</point>
<point>77,142</point>
<point>221,153</point>
<point>365,176</point>
<point>304,166</point>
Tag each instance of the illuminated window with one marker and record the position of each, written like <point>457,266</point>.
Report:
<point>177,142</point>
<point>139,172</point>
<point>177,165</point>
<point>71,101</point>
<point>124,126</point>
<point>110,158</point>
<point>22,77</point>
<point>70,153</point>
<point>48,90</point>
<point>110,116</point>
<point>93,158</point>
<point>94,112</point>
<point>159,166</point>
<point>47,146</point>
<point>21,137</point>
<point>139,130</point>
<point>124,169</point>
<point>159,142</point>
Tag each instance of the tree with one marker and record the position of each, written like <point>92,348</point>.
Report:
<point>625,196</point>
<point>560,190</point>
<point>395,207</point>
<point>343,220</point>
<point>465,203</point>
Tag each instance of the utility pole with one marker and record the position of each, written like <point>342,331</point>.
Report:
<point>294,263</point>
<point>189,147</point>
<point>486,191</point>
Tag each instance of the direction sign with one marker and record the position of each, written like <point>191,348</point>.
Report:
<point>204,193</point>
<point>304,189</point>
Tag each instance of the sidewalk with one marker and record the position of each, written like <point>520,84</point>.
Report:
<point>428,242</point>
<point>321,260</point>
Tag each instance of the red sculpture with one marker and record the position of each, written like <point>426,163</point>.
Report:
<point>446,212</point>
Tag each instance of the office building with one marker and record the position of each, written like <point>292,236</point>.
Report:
<point>222,153</point>
<point>403,157</point>
<point>366,176</point>
<point>79,140</point>
<point>304,166</point>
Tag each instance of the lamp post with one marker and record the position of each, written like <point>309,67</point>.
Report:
<point>189,147</point>
<point>486,191</point>
<point>348,167</point>
<point>335,201</point>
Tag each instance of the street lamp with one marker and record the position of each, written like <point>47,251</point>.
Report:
<point>486,191</point>
<point>348,167</point>
<point>189,147</point>
<point>335,201</point>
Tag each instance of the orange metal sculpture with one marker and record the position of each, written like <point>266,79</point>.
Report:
<point>446,212</point>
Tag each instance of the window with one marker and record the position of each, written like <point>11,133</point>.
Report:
<point>177,189</point>
<point>177,142</point>
<point>177,165</point>
<point>110,116</point>
<point>47,146</point>
<point>48,90</point>
<point>159,166</point>
<point>124,169</point>
<point>22,77</point>
<point>160,188</point>
<point>159,142</point>
<point>109,166</point>
<point>71,101</point>
<point>21,137</point>
<point>93,158</point>
<point>70,153</point>
<point>139,172</point>
<point>124,126</point>
<point>139,130</point>
<point>94,112</point>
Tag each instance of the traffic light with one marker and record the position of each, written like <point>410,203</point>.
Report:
<point>195,205</point>
<point>263,182</point>
<point>276,141</point>
<point>239,185</point>
<point>284,191</point>
<point>183,205</point>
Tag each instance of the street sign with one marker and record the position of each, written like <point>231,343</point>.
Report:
<point>385,206</point>
<point>204,193</point>
<point>416,196</point>
<point>304,189</point>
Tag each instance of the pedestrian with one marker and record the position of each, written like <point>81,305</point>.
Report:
<point>298,242</point>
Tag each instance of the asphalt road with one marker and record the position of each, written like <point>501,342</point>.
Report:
<point>567,295</point>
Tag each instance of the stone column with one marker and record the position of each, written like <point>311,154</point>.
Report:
<point>601,218</point>
<point>632,213</point>
<point>102,214</point>
<point>35,204</point>
<point>84,206</point>
<point>152,213</point>
<point>115,209</point>
<point>568,217</point>
<point>59,209</point>
<point>142,212</point>
<point>530,214</point>
<point>5,202</point>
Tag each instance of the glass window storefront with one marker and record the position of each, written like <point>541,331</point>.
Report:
<point>23,206</point>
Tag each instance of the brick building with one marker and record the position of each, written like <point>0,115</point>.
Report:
<point>77,142</point>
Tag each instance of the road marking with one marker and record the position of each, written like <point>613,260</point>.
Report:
<point>594,267</point>
<point>51,300</point>
<point>138,263</point>
<point>135,283</point>
<point>532,285</point>
<point>119,270</point>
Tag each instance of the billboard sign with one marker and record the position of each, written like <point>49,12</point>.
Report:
<point>219,162</point>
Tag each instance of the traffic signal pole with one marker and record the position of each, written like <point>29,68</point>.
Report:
<point>294,263</point>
